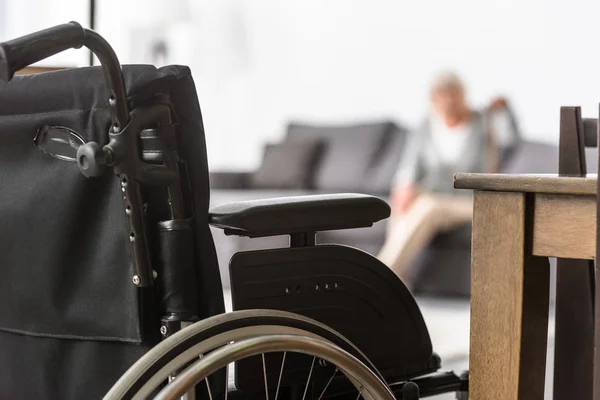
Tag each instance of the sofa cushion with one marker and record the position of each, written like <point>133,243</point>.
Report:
<point>444,267</point>
<point>542,158</point>
<point>288,165</point>
<point>381,175</point>
<point>533,158</point>
<point>350,152</point>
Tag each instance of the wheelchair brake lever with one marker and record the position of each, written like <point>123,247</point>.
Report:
<point>123,152</point>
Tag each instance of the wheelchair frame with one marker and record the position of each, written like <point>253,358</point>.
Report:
<point>127,126</point>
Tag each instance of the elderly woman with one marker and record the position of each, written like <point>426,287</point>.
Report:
<point>454,138</point>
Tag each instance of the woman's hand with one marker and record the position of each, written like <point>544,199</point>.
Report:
<point>402,197</point>
<point>498,103</point>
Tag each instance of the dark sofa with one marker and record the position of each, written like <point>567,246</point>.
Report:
<point>359,158</point>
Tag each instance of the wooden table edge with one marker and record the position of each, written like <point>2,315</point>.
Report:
<point>527,183</point>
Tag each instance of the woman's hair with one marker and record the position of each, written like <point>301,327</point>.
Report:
<point>446,81</point>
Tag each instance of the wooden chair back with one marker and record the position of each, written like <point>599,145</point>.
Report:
<point>575,279</point>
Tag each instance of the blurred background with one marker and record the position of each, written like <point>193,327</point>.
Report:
<point>260,63</point>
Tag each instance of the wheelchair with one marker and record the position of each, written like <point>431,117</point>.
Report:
<point>110,284</point>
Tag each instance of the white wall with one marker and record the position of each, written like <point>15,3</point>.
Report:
<point>3,18</point>
<point>259,63</point>
<point>20,17</point>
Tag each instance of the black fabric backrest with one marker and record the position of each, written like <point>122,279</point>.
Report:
<point>65,270</point>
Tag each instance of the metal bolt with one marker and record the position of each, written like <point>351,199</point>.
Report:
<point>327,286</point>
<point>154,274</point>
<point>132,238</point>
<point>164,330</point>
<point>136,280</point>
<point>287,290</point>
<point>336,285</point>
<point>317,287</point>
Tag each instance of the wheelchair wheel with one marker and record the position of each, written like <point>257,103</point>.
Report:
<point>301,345</point>
<point>366,382</point>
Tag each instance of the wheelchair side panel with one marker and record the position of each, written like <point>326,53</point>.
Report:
<point>346,289</point>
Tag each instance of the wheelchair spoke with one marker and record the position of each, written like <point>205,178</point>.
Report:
<point>359,394</point>
<point>309,376</point>
<point>226,381</point>
<point>328,383</point>
<point>280,374</point>
<point>265,375</point>
<point>210,396</point>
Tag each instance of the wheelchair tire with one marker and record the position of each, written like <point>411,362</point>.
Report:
<point>177,351</point>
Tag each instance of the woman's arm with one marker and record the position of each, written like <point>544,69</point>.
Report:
<point>502,133</point>
<point>503,123</point>
<point>492,160</point>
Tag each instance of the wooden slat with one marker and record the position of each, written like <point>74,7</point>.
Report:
<point>565,226</point>
<point>571,148</point>
<point>509,303</point>
<point>527,183</point>
<point>573,332</point>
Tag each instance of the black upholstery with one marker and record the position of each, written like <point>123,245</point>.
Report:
<point>315,213</point>
<point>69,311</point>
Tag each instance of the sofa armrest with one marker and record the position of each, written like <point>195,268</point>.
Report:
<point>230,180</point>
<point>298,215</point>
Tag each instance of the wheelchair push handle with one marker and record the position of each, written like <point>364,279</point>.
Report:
<point>18,53</point>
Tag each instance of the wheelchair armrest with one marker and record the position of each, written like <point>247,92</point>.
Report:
<point>300,214</point>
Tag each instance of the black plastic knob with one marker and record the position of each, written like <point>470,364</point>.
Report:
<point>91,159</point>
<point>410,391</point>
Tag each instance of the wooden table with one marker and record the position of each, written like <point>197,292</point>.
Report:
<point>518,222</point>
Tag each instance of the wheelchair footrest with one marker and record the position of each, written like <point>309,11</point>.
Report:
<point>433,385</point>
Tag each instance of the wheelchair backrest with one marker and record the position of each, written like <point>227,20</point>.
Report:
<point>65,264</point>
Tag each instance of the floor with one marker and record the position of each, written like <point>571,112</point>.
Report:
<point>449,330</point>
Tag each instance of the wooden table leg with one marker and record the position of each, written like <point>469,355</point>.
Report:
<point>509,302</point>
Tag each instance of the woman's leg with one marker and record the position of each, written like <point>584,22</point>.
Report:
<point>410,232</point>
